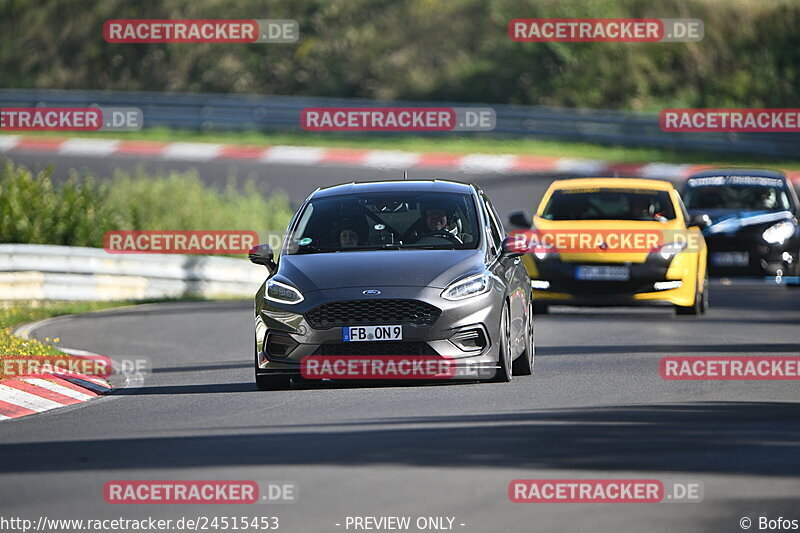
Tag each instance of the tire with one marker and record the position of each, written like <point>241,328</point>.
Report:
<point>504,373</point>
<point>704,297</point>
<point>700,304</point>
<point>273,381</point>
<point>523,365</point>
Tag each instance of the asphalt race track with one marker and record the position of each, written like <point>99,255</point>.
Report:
<point>596,407</point>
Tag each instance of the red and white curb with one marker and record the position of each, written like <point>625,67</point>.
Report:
<point>49,389</point>
<point>378,159</point>
<point>30,395</point>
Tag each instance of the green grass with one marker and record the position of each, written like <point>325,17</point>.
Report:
<point>79,211</point>
<point>456,145</point>
<point>13,314</point>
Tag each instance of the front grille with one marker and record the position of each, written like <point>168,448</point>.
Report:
<point>375,348</point>
<point>372,312</point>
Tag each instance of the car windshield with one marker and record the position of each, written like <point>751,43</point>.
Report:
<point>386,221</point>
<point>609,204</point>
<point>749,197</point>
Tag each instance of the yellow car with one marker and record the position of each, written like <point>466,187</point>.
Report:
<point>615,241</point>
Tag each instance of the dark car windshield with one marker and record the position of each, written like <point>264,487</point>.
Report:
<point>609,204</point>
<point>737,192</point>
<point>386,221</point>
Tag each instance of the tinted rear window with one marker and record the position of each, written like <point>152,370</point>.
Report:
<point>609,204</point>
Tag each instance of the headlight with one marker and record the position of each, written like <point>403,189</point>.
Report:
<point>778,233</point>
<point>282,293</point>
<point>468,287</point>
<point>669,250</point>
<point>543,251</point>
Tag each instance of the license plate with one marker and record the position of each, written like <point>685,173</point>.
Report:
<point>730,258</point>
<point>372,333</point>
<point>603,273</point>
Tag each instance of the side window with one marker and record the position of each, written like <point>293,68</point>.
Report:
<point>791,197</point>
<point>683,207</point>
<point>496,220</point>
<point>494,226</point>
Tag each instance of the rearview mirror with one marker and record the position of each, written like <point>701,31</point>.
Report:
<point>262,254</point>
<point>701,221</point>
<point>514,246</point>
<point>518,219</point>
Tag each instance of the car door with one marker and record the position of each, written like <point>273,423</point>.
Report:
<point>511,271</point>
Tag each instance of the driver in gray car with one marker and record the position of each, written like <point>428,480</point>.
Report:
<point>438,219</point>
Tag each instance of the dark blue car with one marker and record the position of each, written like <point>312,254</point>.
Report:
<point>752,227</point>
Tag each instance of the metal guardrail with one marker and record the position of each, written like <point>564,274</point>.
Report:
<point>39,272</point>
<point>233,112</point>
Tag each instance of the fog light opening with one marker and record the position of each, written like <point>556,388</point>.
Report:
<point>280,345</point>
<point>470,340</point>
<point>666,285</point>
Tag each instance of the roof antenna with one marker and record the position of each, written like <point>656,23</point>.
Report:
<point>405,175</point>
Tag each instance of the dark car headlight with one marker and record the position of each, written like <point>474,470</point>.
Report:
<point>669,250</point>
<point>468,287</point>
<point>544,252</point>
<point>282,293</point>
<point>779,233</point>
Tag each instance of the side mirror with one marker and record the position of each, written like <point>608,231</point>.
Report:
<point>518,219</point>
<point>514,246</point>
<point>701,221</point>
<point>262,254</point>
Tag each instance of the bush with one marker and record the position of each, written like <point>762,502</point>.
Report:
<point>419,49</point>
<point>80,211</point>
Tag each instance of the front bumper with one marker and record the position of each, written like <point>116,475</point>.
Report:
<point>290,325</point>
<point>763,259</point>
<point>640,289</point>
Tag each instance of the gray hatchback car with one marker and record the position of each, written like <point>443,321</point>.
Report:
<point>395,268</point>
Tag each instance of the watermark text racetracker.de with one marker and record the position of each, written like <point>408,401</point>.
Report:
<point>391,367</point>
<point>600,240</point>
<point>731,120</point>
<point>604,491</point>
<point>179,242</point>
<point>376,367</point>
<point>46,366</point>
<point>174,492</point>
<point>191,31</point>
<point>422,119</point>
<point>71,119</point>
<point>767,368</point>
<point>606,30</point>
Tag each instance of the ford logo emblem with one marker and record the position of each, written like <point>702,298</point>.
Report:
<point>370,292</point>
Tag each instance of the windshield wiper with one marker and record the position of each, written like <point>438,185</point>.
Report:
<point>311,250</point>
<point>386,246</point>
<point>431,246</point>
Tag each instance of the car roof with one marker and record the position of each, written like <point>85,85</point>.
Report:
<point>758,172</point>
<point>368,187</point>
<point>616,183</point>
